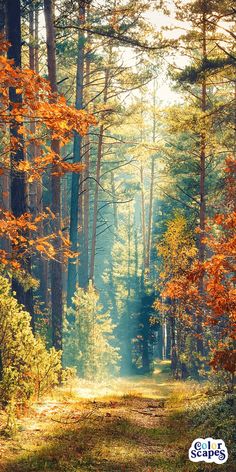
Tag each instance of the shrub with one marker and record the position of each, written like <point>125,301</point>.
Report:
<point>27,368</point>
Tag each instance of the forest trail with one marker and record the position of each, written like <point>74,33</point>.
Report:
<point>121,425</point>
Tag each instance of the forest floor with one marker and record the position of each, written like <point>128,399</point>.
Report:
<point>133,424</point>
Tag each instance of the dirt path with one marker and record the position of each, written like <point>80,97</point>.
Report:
<point>124,425</point>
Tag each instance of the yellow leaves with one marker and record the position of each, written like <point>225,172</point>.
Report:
<point>64,167</point>
<point>24,166</point>
<point>40,247</point>
<point>18,118</point>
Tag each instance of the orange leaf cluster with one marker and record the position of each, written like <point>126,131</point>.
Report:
<point>37,114</point>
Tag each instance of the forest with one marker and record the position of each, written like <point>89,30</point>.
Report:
<point>117,234</point>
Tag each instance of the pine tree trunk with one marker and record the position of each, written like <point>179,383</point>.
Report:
<point>1,366</point>
<point>84,271</point>
<point>143,213</point>
<point>31,37</point>
<point>98,171</point>
<point>56,266</point>
<point>149,235</point>
<point>160,342</point>
<point>77,151</point>
<point>145,344</point>
<point>202,184</point>
<point>18,186</point>
<point>4,178</point>
<point>2,17</point>
<point>114,200</point>
<point>174,359</point>
<point>43,262</point>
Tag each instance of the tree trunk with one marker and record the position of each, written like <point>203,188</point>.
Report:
<point>114,200</point>
<point>31,37</point>
<point>2,17</point>
<point>18,179</point>
<point>1,366</point>
<point>75,186</point>
<point>143,213</point>
<point>43,262</point>
<point>174,357</point>
<point>36,38</point>
<point>4,178</point>
<point>98,171</point>
<point>149,235</point>
<point>202,182</point>
<point>145,344</point>
<point>56,265</point>
<point>84,269</point>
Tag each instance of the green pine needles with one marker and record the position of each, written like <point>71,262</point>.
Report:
<point>27,368</point>
<point>89,337</point>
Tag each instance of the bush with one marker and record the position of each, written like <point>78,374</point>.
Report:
<point>27,368</point>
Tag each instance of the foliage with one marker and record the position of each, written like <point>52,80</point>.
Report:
<point>89,337</point>
<point>34,116</point>
<point>218,302</point>
<point>28,369</point>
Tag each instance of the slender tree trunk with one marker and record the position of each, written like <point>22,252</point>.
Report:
<point>149,235</point>
<point>75,186</point>
<point>127,348</point>
<point>174,359</point>
<point>167,340</point>
<point>18,180</point>
<point>2,17</point>
<point>56,265</point>
<point>98,171</point>
<point>143,212</point>
<point>114,200</point>
<point>43,262</point>
<point>145,345</point>
<point>202,181</point>
<point>31,37</point>
<point>36,37</point>
<point>1,366</point>
<point>160,341</point>
<point>32,147</point>
<point>86,210</point>
<point>4,178</point>
<point>86,199</point>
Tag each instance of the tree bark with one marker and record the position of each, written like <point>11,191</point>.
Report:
<point>2,17</point>
<point>56,265</point>
<point>75,185</point>
<point>114,200</point>
<point>98,171</point>
<point>18,185</point>
<point>149,235</point>
<point>202,181</point>
<point>143,212</point>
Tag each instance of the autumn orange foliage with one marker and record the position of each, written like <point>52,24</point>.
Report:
<point>52,118</point>
<point>217,305</point>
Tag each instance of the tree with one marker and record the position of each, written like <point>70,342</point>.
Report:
<point>56,265</point>
<point>18,179</point>
<point>89,341</point>
<point>77,157</point>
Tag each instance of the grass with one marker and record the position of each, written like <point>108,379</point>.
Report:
<point>122,426</point>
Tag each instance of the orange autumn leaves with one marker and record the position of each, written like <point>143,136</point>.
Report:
<point>182,275</point>
<point>22,234</point>
<point>36,115</point>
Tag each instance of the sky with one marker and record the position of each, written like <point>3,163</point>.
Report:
<point>158,20</point>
